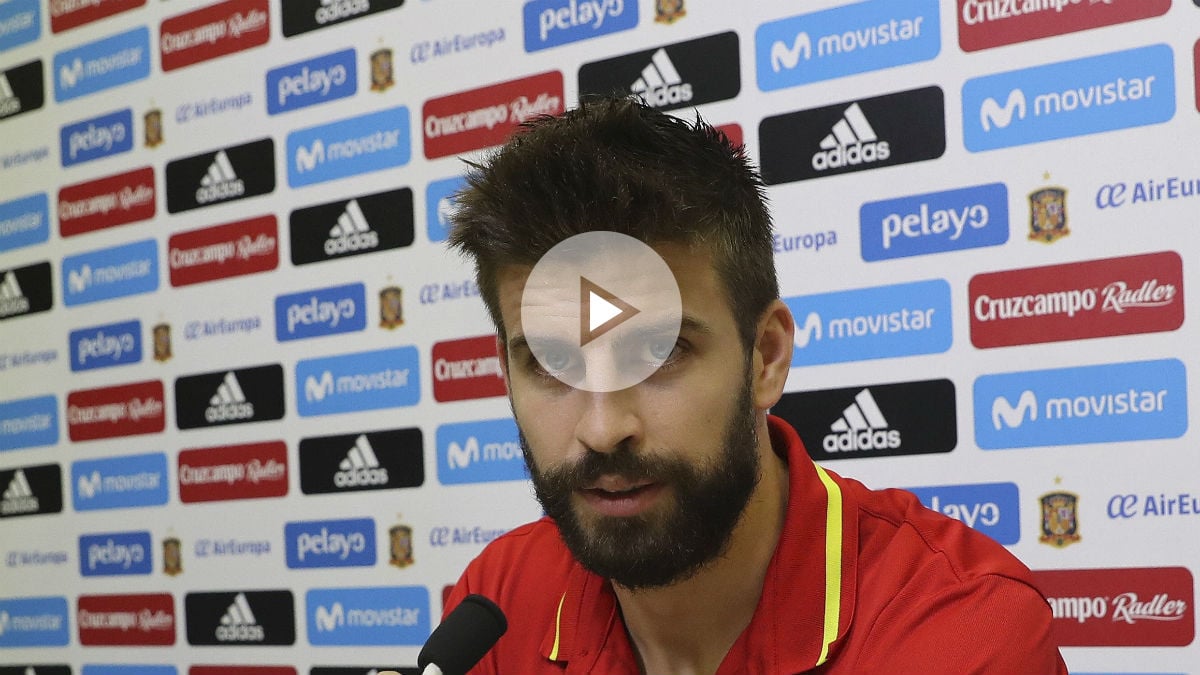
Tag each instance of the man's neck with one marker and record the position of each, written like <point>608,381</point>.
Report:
<point>688,628</point>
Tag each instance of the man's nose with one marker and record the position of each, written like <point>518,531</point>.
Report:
<point>608,420</point>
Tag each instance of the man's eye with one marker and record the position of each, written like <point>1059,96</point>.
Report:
<point>556,360</point>
<point>661,350</point>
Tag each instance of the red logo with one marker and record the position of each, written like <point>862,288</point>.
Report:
<point>1135,607</point>
<point>484,117</point>
<point>464,369</point>
<point>230,250</point>
<point>1097,298</point>
<point>209,32</point>
<point>125,410</point>
<point>126,619</point>
<point>241,670</point>
<point>106,202</point>
<point>248,471</point>
<point>68,14</point>
<point>733,131</point>
<point>983,24</point>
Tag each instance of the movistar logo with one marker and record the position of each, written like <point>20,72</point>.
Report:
<point>1011,415</point>
<point>992,114</point>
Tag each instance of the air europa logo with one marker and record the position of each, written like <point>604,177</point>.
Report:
<point>878,420</point>
<point>24,222</point>
<point>248,471</point>
<point>480,452</point>
<point>371,142</point>
<point>28,422</point>
<point>373,380</point>
<point>213,31</point>
<point>119,199</point>
<point>103,64</point>
<point>550,23</point>
<point>1113,91</point>
<point>228,174</point>
<point>120,482</point>
<point>833,43</point>
<point>25,290</point>
<point>343,228</point>
<point>323,311</point>
<point>114,344</point>
<point>110,412</point>
<point>21,89</point>
<point>389,615</point>
<point>68,14</point>
<point>673,76</point>
<point>302,16</point>
<point>233,249</point>
<point>935,222</point>
<point>908,126</point>
<point>1097,298</point>
<point>1123,607</point>
<point>991,508</point>
<point>20,23</point>
<point>96,138</point>
<point>872,323</point>
<point>116,272</point>
<point>1086,404</point>
<point>465,369</point>
<point>373,460</point>
<point>983,24</point>
<point>483,117</point>
<point>318,80</point>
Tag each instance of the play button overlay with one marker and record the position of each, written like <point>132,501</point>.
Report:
<point>601,311</point>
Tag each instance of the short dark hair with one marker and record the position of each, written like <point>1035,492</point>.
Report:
<point>617,164</point>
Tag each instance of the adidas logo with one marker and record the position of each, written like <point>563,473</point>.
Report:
<point>852,141</point>
<point>9,103</point>
<point>660,84</point>
<point>12,300</point>
<point>220,182</point>
<point>352,232</point>
<point>229,403</point>
<point>239,624</point>
<point>18,497</point>
<point>361,466</point>
<point>861,427</point>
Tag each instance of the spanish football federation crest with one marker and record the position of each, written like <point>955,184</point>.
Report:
<point>669,11</point>
<point>162,342</point>
<point>154,128</point>
<point>1048,214</point>
<point>391,310</point>
<point>400,537</point>
<point>381,70</point>
<point>1060,519</point>
<point>172,556</point>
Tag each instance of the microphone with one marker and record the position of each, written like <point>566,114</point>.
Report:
<point>463,638</point>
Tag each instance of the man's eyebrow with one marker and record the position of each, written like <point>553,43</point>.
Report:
<point>516,342</point>
<point>686,323</point>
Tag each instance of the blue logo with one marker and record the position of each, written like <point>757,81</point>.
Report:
<point>1071,98</point>
<point>992,508</point>
<point>550,23</point>
<point>480,452</point>
<point>318,80</point>
<point>115,554</point>
<point>28,422</point>
<point>124,669</point>
<point>103,64</point>
<point>34,622</point>
<point>387,378</point>
<point>120,482</point>
<point>116,344</point>
<point>388,615</point>
<point>1089,404</point>
<point>953,220</point>
<point>330,543</point>
<point>324,311</point>
<point>110,273</point>
<point>439,206</point>
<point>20,22</point>
<point>872,323</point>
<point>97,138</point>
<point>363,144</point>
<point>24,222</point>
<point>843,41</point>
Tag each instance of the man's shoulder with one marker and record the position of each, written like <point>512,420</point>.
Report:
<point>534,551</point>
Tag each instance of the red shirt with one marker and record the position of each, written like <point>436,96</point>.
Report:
<point>861,582</point>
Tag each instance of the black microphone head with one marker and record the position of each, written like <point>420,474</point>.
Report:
<point>464,637</point>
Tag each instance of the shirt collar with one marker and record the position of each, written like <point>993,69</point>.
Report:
<point>808,593</point>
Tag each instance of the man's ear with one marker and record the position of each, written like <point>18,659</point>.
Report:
<point>774,340</point>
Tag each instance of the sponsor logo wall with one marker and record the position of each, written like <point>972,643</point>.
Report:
<point>249,399</point>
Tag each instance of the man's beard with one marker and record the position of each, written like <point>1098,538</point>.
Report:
<point>663,545</point>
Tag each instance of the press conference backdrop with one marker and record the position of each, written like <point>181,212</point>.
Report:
<point>250,412</point>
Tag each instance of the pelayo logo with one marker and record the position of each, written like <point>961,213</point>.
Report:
<point>983,24</point>
<point>1088,404</point>
<point>386,378</point>
<point>872,323</point>
<point>330,543</point>
<point>103,64</point>
<point>133,620</point>
<point>1121,607</point>
<point>105,274</point>
<point>550,23</point>
<point>34,622</point>
<point>120,482</point>
<point>28,422</point>
<point>241,618</point>
<point>319,312</point>
<point>96,138</point>
<point>364,224</point>
<point>373,460</point>
<point>388,615</point>
<point>861,37</point>
<point>116,553</point>
<point>1120,90</point>
<point>314,81</point>
<point>991,508</point>
<point>219,176</point>
<point>680,75</point>
<point>480,452</point>
<point>21,89</point>
<point>114,344</point>
<point>934,222</point>
<point>363,144</point>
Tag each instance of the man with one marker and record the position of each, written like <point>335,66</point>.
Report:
<point>687,530</point>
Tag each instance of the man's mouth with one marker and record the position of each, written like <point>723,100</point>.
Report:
<point>615,496</point>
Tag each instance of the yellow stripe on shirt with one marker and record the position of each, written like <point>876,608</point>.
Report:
<point>833,563</point>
